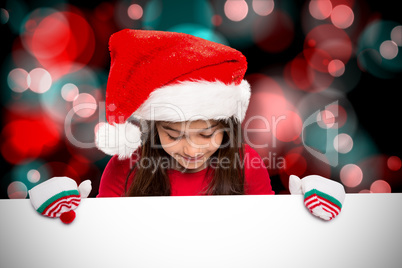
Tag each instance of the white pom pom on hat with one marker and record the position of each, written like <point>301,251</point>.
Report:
<point>120,139</point>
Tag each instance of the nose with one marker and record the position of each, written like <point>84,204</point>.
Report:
<point>191,151</point>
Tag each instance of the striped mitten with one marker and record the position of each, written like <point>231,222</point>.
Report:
<point>58,197</point>
<point>322,196</point>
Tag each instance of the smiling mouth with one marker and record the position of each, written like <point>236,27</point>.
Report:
<point>192,159</point>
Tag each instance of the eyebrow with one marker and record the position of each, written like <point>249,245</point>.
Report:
<point>169,128</point>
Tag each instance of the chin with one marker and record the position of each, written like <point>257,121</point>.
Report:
<point>192,166</point>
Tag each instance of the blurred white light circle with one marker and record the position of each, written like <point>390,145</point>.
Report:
<point>84,105</point>
<point>343,143</point>
<point>388,49</point>
<point>263,7</point>
<point>135,12</point>
<point>18,80</point>
<point>17,190</point>
<point>320,9</point>
<point>342,16</point>
<point>33,175</point>
<point>351,175</point>
<point>41,81</point>
<point>69,92</point>
<point>396,35</point>
<point>336,68</point>
<point>235,10</point>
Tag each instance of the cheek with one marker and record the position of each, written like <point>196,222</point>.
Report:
<point>216,141</point>
<point>163,139</point>
<point>170,146</point>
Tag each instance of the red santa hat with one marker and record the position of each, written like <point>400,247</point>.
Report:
<point>167,76</point>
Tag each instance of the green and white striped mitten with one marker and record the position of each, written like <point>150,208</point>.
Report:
<point>323,197</point>
<point>58,197</point>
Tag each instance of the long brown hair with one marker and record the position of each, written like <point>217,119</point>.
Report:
<point>153,179</point>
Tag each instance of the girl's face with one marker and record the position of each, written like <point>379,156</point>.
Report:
<point>190,143</point>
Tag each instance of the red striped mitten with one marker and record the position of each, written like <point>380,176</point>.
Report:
<point>58,197</point>
<point>322,196</point>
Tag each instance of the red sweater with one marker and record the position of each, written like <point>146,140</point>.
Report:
<point>257,180</point>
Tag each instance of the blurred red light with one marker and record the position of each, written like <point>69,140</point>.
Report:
<point>51,36</point>
<point>295,164</point>
<point>273,33</point>
<point>104,11</point>
<point>380,186</point>
<point>289,127</point>
<point>326,43</point>
<point>394,163</point>
<point>299,74</point>
<point>336,68</point>
<point>342,16</point>
<point>351,175</point>
<point>27,139</point>
<point>320,9</point>
<point>62,42</point>
<point>135,11</point>
<point>216,20</point>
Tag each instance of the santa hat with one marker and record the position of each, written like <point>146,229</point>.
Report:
<point>167,76</point>
<point>322,197</point>
<point>58,197</point>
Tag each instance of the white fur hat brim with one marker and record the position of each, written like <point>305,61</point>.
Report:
<point>180,102</point>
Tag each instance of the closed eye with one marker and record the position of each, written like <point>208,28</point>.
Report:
<point>207,136</point>
<point>174,138</point>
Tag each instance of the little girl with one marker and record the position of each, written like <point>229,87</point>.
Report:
<point>174,105</point>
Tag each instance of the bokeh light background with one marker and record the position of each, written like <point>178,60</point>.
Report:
<point>325,76</point>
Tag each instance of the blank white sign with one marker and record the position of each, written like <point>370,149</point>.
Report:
<point>213,231</point>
